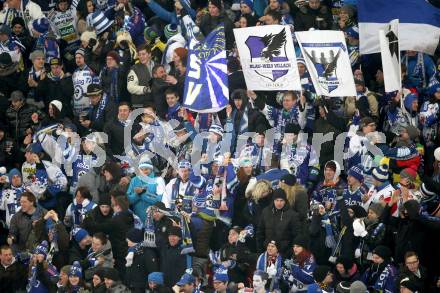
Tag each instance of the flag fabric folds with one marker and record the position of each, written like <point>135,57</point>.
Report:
<point>206,83</point>
<point>389,49</point>
<point>267,56</point>
<point>326,56</point>
<point>419,24</point>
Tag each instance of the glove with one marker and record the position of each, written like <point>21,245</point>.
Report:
<point>92,43</point>
<point>359,228</point>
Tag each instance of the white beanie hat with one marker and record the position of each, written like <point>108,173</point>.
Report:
<point>57,104</point>
<point>437,154</point>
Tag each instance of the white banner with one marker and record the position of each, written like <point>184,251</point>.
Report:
<point>267,57</point>
<point>389,50</point>
<point>326,56</point>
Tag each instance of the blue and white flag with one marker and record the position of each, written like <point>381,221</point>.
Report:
<point>206,83</point>
<point>267,56</point>
<point>419,24</point>
<point>327,61</point>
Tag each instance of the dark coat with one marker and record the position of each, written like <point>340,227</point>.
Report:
<point>144,263</point>
<point>13,278</point>
<point>158,87</point>
<point>121,90</point>
<point>306,18</point>
<point>279,225</point>
<point>19,120</point>
<point>78,254</point>
<point>171,255</point>
<point>117,229</point>
<point>62,90</point>
<point>109,114</point>
<point>95,216</point>
<point>115,131</point>
<point>317,243</point>
<point>209,23</point>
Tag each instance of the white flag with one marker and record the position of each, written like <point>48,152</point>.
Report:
<point>326,56</point>
<point>390,52</point>
<point>267,57</point>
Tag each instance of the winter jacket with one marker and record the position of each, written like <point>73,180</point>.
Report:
<point>380,278</point>
<point>117,229</point>
<point>76,253</point>
<point>115,132</point>
<point>54,88</point>
<point>420,282</point>
<point>118,287</point>
<point>138,83</point>
<point>317,234</point>
<point>13,277</point>
<point>167,16</point>
<point>22,230</point>
<point>144,263</point>
<point>19,120</point>
<point>171,255</point>
<point>158,87</point>
<point>307,18</point>
<point>209,23</point>
<point>93,216</point>
<point>279,225</point>
<point>108,114</point>
<point>114,83</point>
<point>154,189</point>
<point>297,276</point>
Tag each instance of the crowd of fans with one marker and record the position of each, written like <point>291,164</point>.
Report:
<point>90,203</point>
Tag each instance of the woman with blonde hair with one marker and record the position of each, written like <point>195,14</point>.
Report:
<point>296,195</point>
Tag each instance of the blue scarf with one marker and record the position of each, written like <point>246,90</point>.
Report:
<point>173,112</point>
<point>114,84</point>
<point>101,107</point>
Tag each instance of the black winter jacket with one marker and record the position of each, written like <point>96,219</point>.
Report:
<point>13,277</point>
<point>19,120</point>
<point>279,225</point>
<point>144,263</point>
<point>172,273</point>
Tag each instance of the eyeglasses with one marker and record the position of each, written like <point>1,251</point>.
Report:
<point>412,263</point>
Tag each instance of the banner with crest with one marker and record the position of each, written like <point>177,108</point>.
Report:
<point>327,61</point>
<point>267,56</point>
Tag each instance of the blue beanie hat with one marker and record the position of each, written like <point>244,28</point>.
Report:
<point>146,164</point>
<point>12,173</point>
<point>353,32</point>
<point>75,270</point>
<point>356,172</point>
<point>408,100</point>
<point>156,277</point>
<point>41,25</point>
<point>79,234</point>
<point>249,3</point>
<point>42,248</point>
<point>381,173</point>
<point>221,275</point>
<point>184,164</point>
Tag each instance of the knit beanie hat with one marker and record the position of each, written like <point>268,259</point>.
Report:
<point>381,173</point>
<point>437,154</point>
<point>321,272</point>
<point>156,277</point>
<point>377,208</point>
<point>75,270</point>
<point>356,172</point>
<point>100,22</point>
<point>150,34</point>
<point>288,179</point>
<point>292,128</point>
<point>217,3</point>
<point>221,275</point>
<point>79,234</point>
<point>80,51</point>
<point>13,173</point>
<point>409,174</point>
<point>302,240</point>
<point>279,194</point>
<point>410,284</point>
<point>217,129</point>
<point>408,100</point>
<point>135,235</point>
<point>184,164</point>
<point>359,211</point>
<point>343,287</point>
<point>358,287</point>
<point>170,30</point>
<point>57,104</point>
<point>346,262</point>
<point>113,55</point>
<point>111,273</point>
<point>176,231</point>
<point>42,248</point>
<point>382,251</point>
<point>104,200</point>
<point>249,3</point>
<point>41,25</point>
<point>413,132</point>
